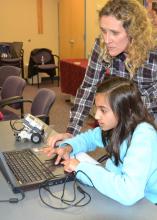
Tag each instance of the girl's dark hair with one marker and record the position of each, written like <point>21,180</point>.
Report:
<point>126,103</point>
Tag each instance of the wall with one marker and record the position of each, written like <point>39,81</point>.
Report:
<point>18,22</point>
<point>92,22</point>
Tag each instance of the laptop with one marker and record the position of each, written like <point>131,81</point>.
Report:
<point>27,169</point>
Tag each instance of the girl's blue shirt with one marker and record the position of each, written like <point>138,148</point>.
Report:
<point>134,178</point>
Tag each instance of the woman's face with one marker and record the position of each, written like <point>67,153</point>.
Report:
<point>104,114</point>
<point>114,34</point>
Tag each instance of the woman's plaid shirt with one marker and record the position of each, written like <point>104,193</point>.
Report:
<point>97,70</point>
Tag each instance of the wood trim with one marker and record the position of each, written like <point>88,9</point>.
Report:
<point>40,16</point>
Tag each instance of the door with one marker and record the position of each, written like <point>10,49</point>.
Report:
<point>72,28</point>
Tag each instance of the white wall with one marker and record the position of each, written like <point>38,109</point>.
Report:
<point>92,22</point>
<point>18,22</point>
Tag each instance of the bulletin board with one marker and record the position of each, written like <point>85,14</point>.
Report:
<point>141,1</point>
<point>151,6</point>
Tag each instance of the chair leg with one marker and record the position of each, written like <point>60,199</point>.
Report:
<point>22,110</point>
<point>38,79</point>
<point>58,75</point>
<point>22,69</point>
<point>47,121</point>
<point>58,81</point>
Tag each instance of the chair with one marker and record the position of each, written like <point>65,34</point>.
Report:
<point>40,105</point>
<point>43,61</point>
<point>11,91</point>
<point>6,71</point>
<point>11,54</point>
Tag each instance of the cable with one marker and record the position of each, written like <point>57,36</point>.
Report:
<point>13,123</point>
<point>103,158</point>
<point>14,200</point>
<point>11,200</point>
<point>67,202</point>
<point>84,193</point>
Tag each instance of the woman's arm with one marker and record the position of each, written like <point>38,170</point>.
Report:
<point>146,79</point>
<point>85,94</point>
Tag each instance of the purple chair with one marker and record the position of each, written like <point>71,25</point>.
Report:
<point>6,71</point>
<point>40,105</point>
<point>11,92</point>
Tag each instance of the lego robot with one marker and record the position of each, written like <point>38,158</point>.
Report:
<point>33,129</point>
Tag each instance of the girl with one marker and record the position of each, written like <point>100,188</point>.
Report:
<point>129,135</point>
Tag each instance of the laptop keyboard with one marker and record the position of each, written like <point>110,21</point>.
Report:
<point>24,170</point>
<point>26,166</point>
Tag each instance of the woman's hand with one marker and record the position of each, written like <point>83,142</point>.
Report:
<point>52,142</point>
<point>58,137</point>
<point>70,165</point>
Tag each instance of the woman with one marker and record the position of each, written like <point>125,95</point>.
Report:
<point>126,48</point>
<point>129,136</point>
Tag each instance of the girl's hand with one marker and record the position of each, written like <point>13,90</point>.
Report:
<point>70,165</point>
<point>63,153</point>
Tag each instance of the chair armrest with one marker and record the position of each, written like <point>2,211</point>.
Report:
<point>13,100</point>
<point>10,101</point>
<point>44,118</point>
<point>55,55</point>
<point>11,60</point>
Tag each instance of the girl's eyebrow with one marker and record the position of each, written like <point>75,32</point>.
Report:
<point>103,107</point>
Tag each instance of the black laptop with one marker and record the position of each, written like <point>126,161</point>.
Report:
<point>27,169</point>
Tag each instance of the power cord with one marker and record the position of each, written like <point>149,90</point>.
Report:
<point>14,123</point>
<point>14,200</point>
<point>11,200</point>
<point>74,202</point>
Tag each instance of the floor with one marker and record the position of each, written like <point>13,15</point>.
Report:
<point>59,114</point>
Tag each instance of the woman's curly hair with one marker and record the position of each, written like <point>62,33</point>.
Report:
<point>138,25</point>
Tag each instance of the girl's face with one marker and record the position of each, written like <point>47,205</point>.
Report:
<point>114,34</point>
<point>104,114</point>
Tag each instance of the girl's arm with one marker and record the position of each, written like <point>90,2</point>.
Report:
<point>84,142</point>
<point>126,183</point>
